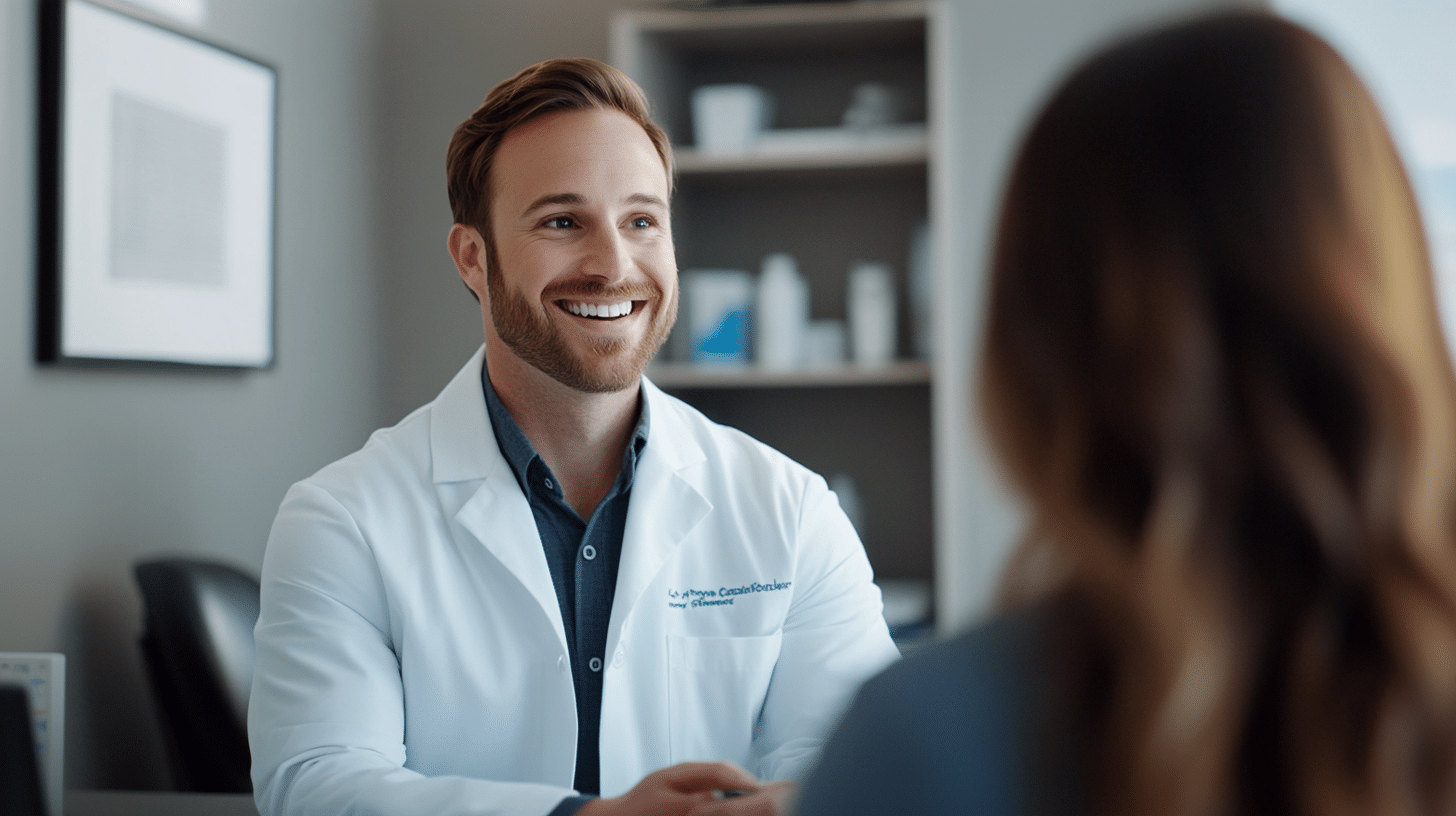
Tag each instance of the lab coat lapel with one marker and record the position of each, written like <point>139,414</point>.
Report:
<point>665,507</point>
<point>496,513</point>
<point>500,518</point>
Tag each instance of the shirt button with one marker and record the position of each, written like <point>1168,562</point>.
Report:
<point>595,664</point>
<point>561,664</point>
<point>618,659</point>
<point>588,552</point>
<point>549,485</point>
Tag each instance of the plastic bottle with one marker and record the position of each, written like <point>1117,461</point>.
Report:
<point>781,314</point>
<point>871,310</point>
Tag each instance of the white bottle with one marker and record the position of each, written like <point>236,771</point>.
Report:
<point>781,314</point>
<point>871,310</point>
<point>849,501</point>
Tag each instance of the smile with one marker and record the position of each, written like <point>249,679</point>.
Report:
<point>600,311</point>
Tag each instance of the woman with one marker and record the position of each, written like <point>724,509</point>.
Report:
<point>1214,371</point>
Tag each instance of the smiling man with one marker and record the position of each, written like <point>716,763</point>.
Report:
<point>555,589</point>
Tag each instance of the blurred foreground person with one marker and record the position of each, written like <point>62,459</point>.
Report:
<point>1214,371</point>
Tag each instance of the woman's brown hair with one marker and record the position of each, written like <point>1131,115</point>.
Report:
<point>1214,370</point>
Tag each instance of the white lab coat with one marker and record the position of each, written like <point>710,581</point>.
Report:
<point>411,657</point>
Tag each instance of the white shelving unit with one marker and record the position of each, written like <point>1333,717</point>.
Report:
<point>827,196</point>
<point>686,375</point>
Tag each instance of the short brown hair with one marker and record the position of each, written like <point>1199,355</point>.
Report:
<point>551,86</point>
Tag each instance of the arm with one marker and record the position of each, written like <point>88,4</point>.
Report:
<point>326,717</point>
<point>834,638</point>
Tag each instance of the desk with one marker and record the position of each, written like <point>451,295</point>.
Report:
<point>157,803</point>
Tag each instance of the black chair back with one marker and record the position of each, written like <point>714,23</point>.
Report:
<point>198,649</point>
<point>20,789</point>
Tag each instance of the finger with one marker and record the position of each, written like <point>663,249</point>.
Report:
<point>712,776</point>
<point>760,803</point>
<point>708,776</point>
<point>785,795</point>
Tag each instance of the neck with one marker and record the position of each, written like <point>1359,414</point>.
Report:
<point>580,436</point>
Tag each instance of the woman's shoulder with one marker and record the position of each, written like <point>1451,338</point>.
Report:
<point>991,658</point>
<point>953,727</point>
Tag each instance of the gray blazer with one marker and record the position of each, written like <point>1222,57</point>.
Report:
<point>956,727</point>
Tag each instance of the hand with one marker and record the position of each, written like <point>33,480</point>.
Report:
<point>772,799</point>
<point>675,791</point>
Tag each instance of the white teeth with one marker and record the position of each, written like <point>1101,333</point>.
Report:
<point>602,310</point>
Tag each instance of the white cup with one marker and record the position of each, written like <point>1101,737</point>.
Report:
<point>727,119</point>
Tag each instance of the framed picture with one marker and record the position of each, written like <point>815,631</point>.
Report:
<point>156,194</point>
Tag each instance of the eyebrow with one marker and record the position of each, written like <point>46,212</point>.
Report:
<point>576,199</point>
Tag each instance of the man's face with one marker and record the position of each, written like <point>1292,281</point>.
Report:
<point>585,284</point>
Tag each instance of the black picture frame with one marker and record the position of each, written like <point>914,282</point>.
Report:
<point>157,188</point>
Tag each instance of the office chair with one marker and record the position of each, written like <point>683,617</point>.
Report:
<point>198,649</point>
<point>20,791</point>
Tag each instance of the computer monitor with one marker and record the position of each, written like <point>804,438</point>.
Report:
<point>20,789</point>
<point>42,675</point>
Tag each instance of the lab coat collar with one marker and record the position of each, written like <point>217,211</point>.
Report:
<point>462,445</point>
<point>496,514</point>
<point>666,504</point>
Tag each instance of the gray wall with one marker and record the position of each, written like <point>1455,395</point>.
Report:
<point>439,59</point>
<point>101,468</point>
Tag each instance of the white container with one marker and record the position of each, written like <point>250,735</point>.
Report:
<point>717,302</point>
<point>872,105</point>
<point>727,119</point>
<point>781,314</point>
<point>824,344</point>
<point>847,492</point>
<point>871,310</point>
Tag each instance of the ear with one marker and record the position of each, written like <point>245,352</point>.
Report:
<point>467,248</point>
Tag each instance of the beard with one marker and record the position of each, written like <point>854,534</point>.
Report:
<point>608,365</point>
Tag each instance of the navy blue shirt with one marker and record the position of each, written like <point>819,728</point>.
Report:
<point>583,556</point>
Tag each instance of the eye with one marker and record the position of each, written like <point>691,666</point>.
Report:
<point>641,222</point>
<point>559,222</point>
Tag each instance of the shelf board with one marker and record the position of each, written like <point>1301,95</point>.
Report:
<point>686,375</point>
<point>791,23</point>
<point>692,162</point>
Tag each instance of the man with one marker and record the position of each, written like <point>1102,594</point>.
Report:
<point>555,582</point>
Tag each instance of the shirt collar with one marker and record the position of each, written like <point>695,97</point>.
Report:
<point>516,447</point>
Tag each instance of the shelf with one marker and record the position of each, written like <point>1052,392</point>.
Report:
<point>809,57</point>
<point>865,21</point>
<point>815,149</point>
<point>686,375</point>
<point>829,196</point>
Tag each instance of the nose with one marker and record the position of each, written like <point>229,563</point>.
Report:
<point>609,257</point>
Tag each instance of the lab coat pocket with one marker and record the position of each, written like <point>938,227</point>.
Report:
<point>716,687</point>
